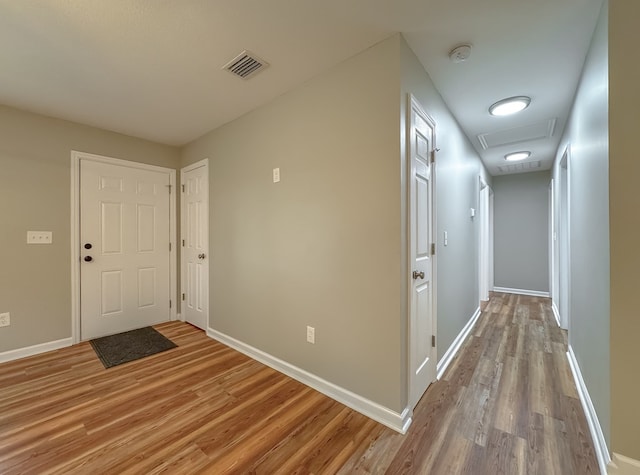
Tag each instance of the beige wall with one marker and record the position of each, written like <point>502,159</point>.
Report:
<point>624,173</point>
<point>35,156</point>
<point>322,247</point>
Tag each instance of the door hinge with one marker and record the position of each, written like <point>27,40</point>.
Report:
<point>183,243</point>
<point>170,186</point>
<point>433,248</point>
<point>170,303</point>
<point>169,247</point>
<point>183,188</point>
<point>433,156</point>
<point>433,341</point>
<point>184,296</point>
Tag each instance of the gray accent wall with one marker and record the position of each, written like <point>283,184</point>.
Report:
<point>587,138</point>
<point>521,231</point>
<point>35,184</point>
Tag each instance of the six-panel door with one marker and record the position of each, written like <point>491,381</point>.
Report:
<point>125,236</point>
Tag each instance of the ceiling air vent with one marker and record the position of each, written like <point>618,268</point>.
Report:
<point>520,167</point>
<point>245,65</point>
<point>527,133</point>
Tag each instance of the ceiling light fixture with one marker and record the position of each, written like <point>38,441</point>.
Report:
<point>517,156</point>
<point>509,106</point>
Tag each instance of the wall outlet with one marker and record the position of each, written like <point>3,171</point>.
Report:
<point>5,319</point>
<point>311,335</point>
<point>276,175</point>
<point>39,237</point>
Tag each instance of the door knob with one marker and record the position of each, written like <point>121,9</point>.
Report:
<point>201,256</point>
<point>417,274</point>
<point>88,246</point>
<point>88,258</point>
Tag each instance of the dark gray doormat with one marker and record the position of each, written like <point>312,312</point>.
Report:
<point>129,346</point>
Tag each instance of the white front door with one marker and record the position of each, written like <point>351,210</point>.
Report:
<point>422,371</point>
<point>195,244</point>
<point>125,242</point>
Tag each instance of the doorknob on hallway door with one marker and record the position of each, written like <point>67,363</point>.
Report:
<point>88,258</point>
<point>201,256</point>
<point>418,275</point>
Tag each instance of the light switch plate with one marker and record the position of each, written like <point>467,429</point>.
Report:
<point>5,319</point>
<point>39,237</point>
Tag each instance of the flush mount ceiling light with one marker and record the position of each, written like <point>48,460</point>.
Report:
<point>509,106</point>
<point>517,156</point>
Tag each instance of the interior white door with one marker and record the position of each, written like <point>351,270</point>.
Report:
<point>125,240</point>
<point>195,244</point>
<point>421,224</point>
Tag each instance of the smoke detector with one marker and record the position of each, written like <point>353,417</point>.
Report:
<point>460,54</point>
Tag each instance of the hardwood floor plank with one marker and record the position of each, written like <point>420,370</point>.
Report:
<point>375,455</point>
<point>294,446</point>
<point>189,460</point>
<point>454,458</point>
<point>506,454</point>
<point>432,427</point>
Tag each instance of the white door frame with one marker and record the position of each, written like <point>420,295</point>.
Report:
<point>491,250</point>
<point>553,291</point>
<point>411,103</point>
<point>202,163</point>
<point>485,254</point>
<point>75,231</point>
<point>563,206</point>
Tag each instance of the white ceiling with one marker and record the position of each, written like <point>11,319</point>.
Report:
<point>151,68</point>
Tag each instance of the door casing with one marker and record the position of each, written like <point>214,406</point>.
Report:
<point>75,231</point>
<point>563,247</point>
<point>485,253</point>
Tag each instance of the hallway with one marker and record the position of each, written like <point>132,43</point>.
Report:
<point>506,405</point>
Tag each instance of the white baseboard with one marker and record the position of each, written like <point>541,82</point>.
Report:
<point>457,343</point>
<point>373,410</point>
<point>621,465</point>
<point>531,293</point>
<point>602,452</point>
<point>34,350</point>
<point>556,313</point>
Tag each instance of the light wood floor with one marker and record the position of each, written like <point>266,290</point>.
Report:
<point>507,405</point>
